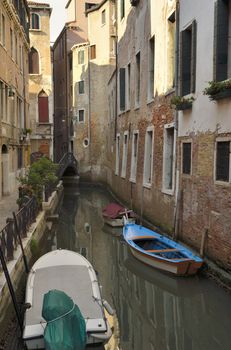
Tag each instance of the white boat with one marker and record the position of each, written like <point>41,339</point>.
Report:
<point>71,273</point>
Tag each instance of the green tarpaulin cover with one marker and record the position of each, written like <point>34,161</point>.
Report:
<point>66,328</point>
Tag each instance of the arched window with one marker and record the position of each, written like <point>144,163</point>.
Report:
<point>35,21</point>
<point>33,61</point>
<point>4,149</point>
<point>43,108</point>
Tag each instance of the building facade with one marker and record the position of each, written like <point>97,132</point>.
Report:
<point>205,129</point>
<point>41,107</point>
<point>93,65</point>
<point>14,99</point>
<point>144,139</point>
<point>74,32</point>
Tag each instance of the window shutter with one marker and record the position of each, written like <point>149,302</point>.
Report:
<point>194,54</point>
<point>222,164</point>
<point>122,89</point>
<point>221,29</point>
<point>186,61</point>
<point>43,109</point>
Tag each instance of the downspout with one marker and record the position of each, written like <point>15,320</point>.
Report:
<point>89,100</point>
<point>177,170</point>
<point>116,71</point>
<point>67,104</point>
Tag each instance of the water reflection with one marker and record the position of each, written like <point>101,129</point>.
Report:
<point>155,311</point>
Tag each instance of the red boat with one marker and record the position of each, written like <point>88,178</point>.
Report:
<point>113,215</point>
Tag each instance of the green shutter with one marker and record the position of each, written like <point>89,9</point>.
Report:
<point>122,89</point>
<point>221,31</point>
<point>193,56</point>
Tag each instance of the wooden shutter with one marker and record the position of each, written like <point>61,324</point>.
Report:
<point>122,89</point>
<point>193,56</point>
<point>43,109</point>
<point>221,30</point>
<point>186,51</point>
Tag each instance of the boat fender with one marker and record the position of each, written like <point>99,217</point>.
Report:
<point>108,307</point>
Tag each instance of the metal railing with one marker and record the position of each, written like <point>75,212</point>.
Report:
<point>17,226</point>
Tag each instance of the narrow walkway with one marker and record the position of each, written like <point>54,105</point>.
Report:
<point>7,206</point>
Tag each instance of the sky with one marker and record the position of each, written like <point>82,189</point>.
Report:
<point>58,16</point>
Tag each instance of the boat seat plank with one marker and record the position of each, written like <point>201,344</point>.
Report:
<point>162,250</point>
<point>142,237</point>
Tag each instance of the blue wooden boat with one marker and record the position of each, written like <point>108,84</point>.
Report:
<point>160,252</point>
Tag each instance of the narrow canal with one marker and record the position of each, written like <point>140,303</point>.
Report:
<point>154,311</point>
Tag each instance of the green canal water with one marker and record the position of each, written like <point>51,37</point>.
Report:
<point>154,311</point>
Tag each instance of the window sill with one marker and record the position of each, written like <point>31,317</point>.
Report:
<point>168,192</point>
<point>123,176</point>
<point>3,46</point>
<point>132,180</point>
<point>147,185</point>
<point>222,183</point>
<point>35,30</point>
<point>136,107</point>
<point>150,100</point>
<point>169,91</point>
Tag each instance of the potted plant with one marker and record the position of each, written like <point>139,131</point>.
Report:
<point>218,89</point>
<point>182,103</point>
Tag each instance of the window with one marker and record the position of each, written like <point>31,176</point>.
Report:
<point>125,155</point>
<point>122,89</point>
<point>20,158</point>
<point>128,84</point>
<point>92,52</point>
<point>151,67</point>
<point>117,154</point>
<point>103,17</point>
<point>221,40</point>
<point>3,30</point>
<point>138,79</point>
<point>81,116</point>
<point>134,156</point>
<point>81,87</point>
<point>81,57</point>
<point>171,50</point>
<point>223,161</point>
<point>11,43</point>
<point>122,9</point>
<point>43,107</point>
<point>186,158</point>
<point>188,60</point>
<point>89,5</point>
<point>148,156</point>
<point>35,21</point>
<point>1,100</point>
<point>16,49</point>
<point>33,61</point>
<point>168,158</point>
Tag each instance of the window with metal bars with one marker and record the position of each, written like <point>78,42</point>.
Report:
<point>223,161</point>
<point>186,158</point>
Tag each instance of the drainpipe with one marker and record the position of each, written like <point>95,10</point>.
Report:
<point>89,98</point>
<point>116,71</point>
<point>177,170</point>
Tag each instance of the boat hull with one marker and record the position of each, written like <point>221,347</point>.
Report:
<point>62,270</point>
<point>185,264</point>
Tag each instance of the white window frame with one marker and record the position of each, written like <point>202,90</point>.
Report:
<point>134,159</point>
<point>219,182</point>
<point>164,189</point>
<point>151,89</point>
<point>117,160</point>
<point>3,30</point>
<point>145,182</point>
<point>81,109</point>
<point>125,155</point>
